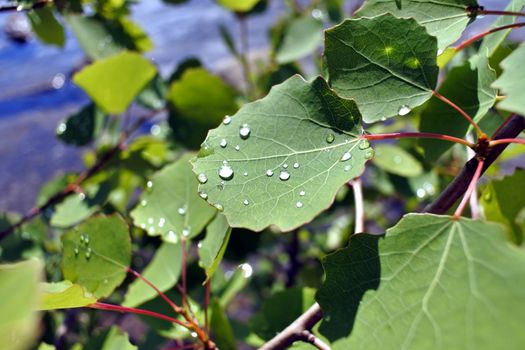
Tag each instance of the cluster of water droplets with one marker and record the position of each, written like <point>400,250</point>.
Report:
<point>84,245</point>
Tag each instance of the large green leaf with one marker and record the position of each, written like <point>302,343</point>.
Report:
<point>46,26</point>
<point>117,340</point>
<point>444,19</point>
<point>512,81</point>
<point>468,86</point>
<point>213,247</point>
<point>302,36</point>
<point>443,284</point>
<point>96,254</point>
<point>171,206</point>
<point>503,200</point>
<point>64,295</point>
<point>198,101</point>
<point>19,298</point>
<point>280,160</point>
<point>387,64</point>
<point>114,82</point>
<point>163,271</point>
<point>491,42</point>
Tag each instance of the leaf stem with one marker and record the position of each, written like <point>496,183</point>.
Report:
<point>460,111</point>
<point>504,141</point>
<point>124,309</point>
<point>427,135</point>
<point>483,34</point>
<point>499,13</point>
<point>470,189</point>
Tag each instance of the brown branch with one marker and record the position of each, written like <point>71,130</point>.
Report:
<point>21,7</point>
<point>86,174</point>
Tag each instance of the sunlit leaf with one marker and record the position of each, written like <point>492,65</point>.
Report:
<point>512,82</point>
<point>64,295</point>
<point>238,5</point>
<point>302,36</point>
<point>46,26</point>
<point>212,248</point>
<point>396,160</point>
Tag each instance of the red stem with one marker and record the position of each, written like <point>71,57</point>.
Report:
<point>123,309</point>
<point>174,306</point>
<point>483,34</point>
<point>470,189</point>
<point>183,273</point>
<point>460,111</point>
<point>498,13</point>
<point>504,141</point>
<point>424,135</point>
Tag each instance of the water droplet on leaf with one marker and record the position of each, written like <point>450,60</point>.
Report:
<point>219,207</point>
<point>226,172</point>
<point>404,110</point>
<point>302,193</point>
<point>246,202</point>
<point>364,144</point>
<point>223,143</point>
<point>269,173</point>
<point>295,165</point>
<point>202,178</point>
<point>284,175</point>
<point>181,211</point>
<point>244,131</point>
<point>227,120</point>
<point>346,156</point>
<point>203,195</point>
<point>330,138</point>
<point>299,204</point>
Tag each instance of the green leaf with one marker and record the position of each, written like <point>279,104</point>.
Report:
<point>512,82</point>
<point>238,5</point>
<point>302,36</point>
<point>82,127</point>
<point>503,200</point>
<point>96,254</point>
<point>469,87</point>
<point>445,19</point>
<point>163,271</point>
<point>18,299</point>
<point>387,64</point>
<point>280,310</point>
<point>154,95</point>
<point>492,42</point>
<point>199,101</point>
<point>46,26</point>
<point>396,160</point>
<point>444,284</point>
<point>117,340</point>
<point>171,206</point>
<point>280,160</point>
<point>212,248</point>
<point>64,295</point>
<point>221,327</point>
<point>114,82</point>
<point>228,39</point>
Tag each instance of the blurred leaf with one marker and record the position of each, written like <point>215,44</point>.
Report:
<point>154,94</point>
<point>388,76</point>
<point>171,206</point>
<point>117,340</point>
<point>280,310</point>
<point>396,160</point>
<point>301,37</point>
<point>468,86</point>
<point>280,160</point>
<point>238,5</point>
<point>512,82</point>
<point>334,9</point>
<point>82,127</point>
<point>64,295</point>
<point>212,248</point>
<point>114,82</point>
<point>446,56</point>
<point>228,39</point>
<point>141,41</point>
<point>19,297</point>
<point>221,327</point>
<point>46,26</point>
<point>445,19</point>
<point>163,271</point>
<point>503,200</point>
<point>96,254</point>
<point>199,101</point>
<point>450,283</point>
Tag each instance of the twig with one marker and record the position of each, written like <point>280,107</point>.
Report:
<point>475,211</point>
<point>419,135</point>
<point>499,13</point>
<point>485,33</point>
<point>308,337</point>
<point>359,205</point>
<point>131,310</point>
<point>460,111</point>
<point>506,141</point>
<point>513,127</point>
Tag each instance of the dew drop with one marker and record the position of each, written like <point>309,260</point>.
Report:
<point>223,143</point>
<point>86,239</point>
<point>440,52</point>
<point>421,192</point>
<point>149,184</point>
<point>61,128</point>
<point>181,210</point>
<point>285,165</point>
<point>244,131</point>
<point>404,110</point>
<point>199,245</point>
<point>143,226</point>
<point>227,120</point>
<point>369,154</point>
<point>245,173</point>
<point>194,334</point>
<point>151,230</point>
<point>247,270</point>
<point>82,238</point>
<point>302,193</point>
<point>76,251</point>
<point>237,148</point>
<point>202,178</point>
<point>81,196</point>
<point>295,165</point>
<point>226,172</point>
<point>299,204</point>
<point>203,195</point>
<point>219,207</point>
<point>284,175</point>
<point>346,156</point>
<point>397,160</point>
<point>162,221</point>
<point>364,144</point>
<point>348,168</point>
<point>150,221</point>
<point>330,138</point>
<point>143,202</point>
<point>488,196</point>
<point>269,173</point>
<point>186,231</point>
<point>246,202</point>
<point>88,253</point>
<point>172,237</point>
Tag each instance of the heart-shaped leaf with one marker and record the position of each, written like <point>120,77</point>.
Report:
<point>280,160</point>
<point>386,64</point>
